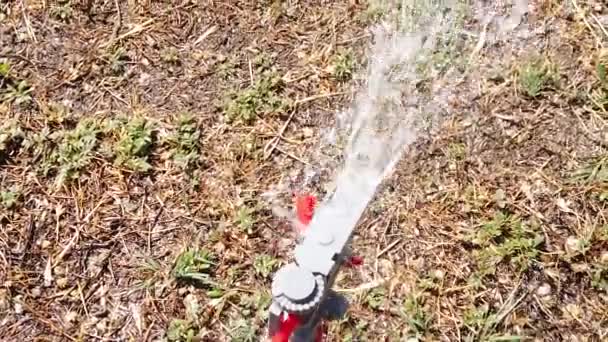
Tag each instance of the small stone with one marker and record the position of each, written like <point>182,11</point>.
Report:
<point>544,290</point>
<point>36,292</point>
<point>438,274</point>
<point>572,245</point>
<point>604,258</point>
<point>101,326</point>
<point>579,267</point>
<point>70,317</point>
<point>62,283</point>
<point>18,307</point>
<point>45,244</point>
<point>308,132</point>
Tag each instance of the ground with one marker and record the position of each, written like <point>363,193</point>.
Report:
<point>138,139</point>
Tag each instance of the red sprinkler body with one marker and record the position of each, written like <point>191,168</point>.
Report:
<point>304,300</point>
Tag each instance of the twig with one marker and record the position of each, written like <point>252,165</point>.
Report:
<point>147,333</point>
<point>319,96</point>
<point>599,23</point>
<point>133,31</point>
<point>28,26</point>
<point>366,286</point>
<point>205,34</point>
<point>272,144</point>
<point>388,248</point>
<point>582,14</point>
<point>84,303</point>
<point>250,73</point>
<point>118,22</point>
<point>589,134</point>
<point>67,249</point>
<point>293,156</point>
<point>154,223</point>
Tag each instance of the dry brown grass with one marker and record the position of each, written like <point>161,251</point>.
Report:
<point>93,258</point>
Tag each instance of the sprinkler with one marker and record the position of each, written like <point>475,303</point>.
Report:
<point>302,296</point>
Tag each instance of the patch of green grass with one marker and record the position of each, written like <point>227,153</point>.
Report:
<point>261,98</point>
<point>75,150</point>
<point>343,66</point>
<point>150,271</point>
<point>242,331</point>
<point>244,219</point>
<point>418,320</point>
<point>599,95</point>
<point>194,265</point>
<point>10,135</point>
<point>117,60</point>
<point>226,67</point>
<point>262,62</point>
<point>594,171</point>
<point>599,277</point>
<point>134,143</point>
<point>9,198</point>
<point>12,90</point>
<point>264,265</point>
<point>18,93</point>
<point>5,67</point>
<point>456,151</point>
<point>169,55</point>
<point>536,76</point>
<point>185,143</point>
<point>182,330</point>
<point>257,304</point>
<point>503,238</point>
<point>376,298</point>
<point>62,10</point>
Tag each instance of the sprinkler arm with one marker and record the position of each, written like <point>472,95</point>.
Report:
<point>302,294</point>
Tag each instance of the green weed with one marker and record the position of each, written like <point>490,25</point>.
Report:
<point>505,237</point>
<point>599,95</point>
<point>9,198</point>
<point>182,330</point>
<point>75,150</point>
<point>185,143</point>
<point>63,10</point>
<point>343,66</point>
<point>5,67</point>
<point>117,60</point>
<point>243,331</point>
<point>418,319</point>
<point>244,219</point>
<point>262,98</point>
<point>18,93</point>
<point>594,171</point>
<point>456,151</point>
<point>10,135</point>
<point>536,76</point>
<point>134,144</point>
<point>264,265</point>
<point>194,264</point>
<point>226,67</point>
<point>169,55</point>
<point>151,272</point>
<point>376,298</point>
<point>599,277</point>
